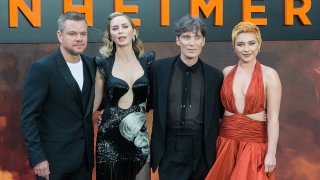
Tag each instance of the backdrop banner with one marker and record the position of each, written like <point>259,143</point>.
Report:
<point>34,21</point>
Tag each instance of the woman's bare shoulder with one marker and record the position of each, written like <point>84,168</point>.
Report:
<point>226,70</point>
<point>269,73</point>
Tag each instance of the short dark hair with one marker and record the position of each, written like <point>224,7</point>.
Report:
<point>70,15</point>
<point>190,24</point>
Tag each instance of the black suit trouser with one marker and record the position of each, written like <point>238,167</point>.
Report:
<point>82,173</point>
<point>184,156</point>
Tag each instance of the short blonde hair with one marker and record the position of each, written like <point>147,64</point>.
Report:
<point>246,27</point>
<point>109,48</point>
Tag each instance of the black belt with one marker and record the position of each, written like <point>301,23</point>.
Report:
<point>183,132</point>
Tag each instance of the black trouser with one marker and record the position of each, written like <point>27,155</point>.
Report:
<point>184,156</point>
<point>82,173</point>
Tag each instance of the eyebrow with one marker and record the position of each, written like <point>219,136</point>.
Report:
<point>121,24</point>
<point>248,41</point>
<point>73,31</point>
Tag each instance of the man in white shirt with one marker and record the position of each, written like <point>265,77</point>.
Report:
<point>56,114</point>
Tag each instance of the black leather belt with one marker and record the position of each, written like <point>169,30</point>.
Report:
<point>184,132</point>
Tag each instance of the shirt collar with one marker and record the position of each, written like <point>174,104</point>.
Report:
<point>184,67</point>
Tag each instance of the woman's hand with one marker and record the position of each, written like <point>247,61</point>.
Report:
<point>269,162</point>
<point>99,118</point>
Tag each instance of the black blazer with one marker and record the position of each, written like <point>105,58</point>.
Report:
<point>56,123</point>
<point>161,72</point>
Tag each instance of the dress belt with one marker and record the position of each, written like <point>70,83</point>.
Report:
<point>184,132</point>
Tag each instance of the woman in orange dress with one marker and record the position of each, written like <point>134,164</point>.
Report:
<point>251,95</point>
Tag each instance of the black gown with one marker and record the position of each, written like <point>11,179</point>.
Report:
<point>122,147</point>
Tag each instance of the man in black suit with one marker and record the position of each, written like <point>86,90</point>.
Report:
<point>57,106</point>
<point>187,107</point>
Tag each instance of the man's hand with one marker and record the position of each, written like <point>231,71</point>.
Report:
<point>42,169</point>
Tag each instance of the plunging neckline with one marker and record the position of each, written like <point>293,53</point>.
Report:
<point>134,82</point>
<point>245,95</point>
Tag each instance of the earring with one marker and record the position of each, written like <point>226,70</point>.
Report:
<point>134,38</point>
<point>259,50</point>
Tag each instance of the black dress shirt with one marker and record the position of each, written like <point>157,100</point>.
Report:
<point>185,101</point>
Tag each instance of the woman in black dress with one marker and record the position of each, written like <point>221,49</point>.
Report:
<point>123,83</point>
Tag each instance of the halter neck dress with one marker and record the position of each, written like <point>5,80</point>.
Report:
<point>242,142</point>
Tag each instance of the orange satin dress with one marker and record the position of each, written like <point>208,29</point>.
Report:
<point>242,142</point>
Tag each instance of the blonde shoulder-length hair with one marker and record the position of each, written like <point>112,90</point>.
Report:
<point>109,47</point>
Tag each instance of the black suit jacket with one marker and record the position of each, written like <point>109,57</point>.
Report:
<point>161,73</point>
<point>57,126</point>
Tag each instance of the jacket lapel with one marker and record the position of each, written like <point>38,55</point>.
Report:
<point>210,86</point>
<point>67,76</point>
<point>92,72</point>
<point>164,77</point>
